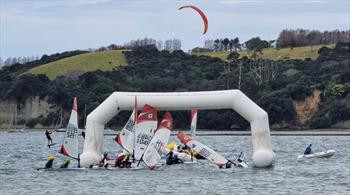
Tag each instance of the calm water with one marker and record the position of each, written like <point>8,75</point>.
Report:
<point>22,152</point>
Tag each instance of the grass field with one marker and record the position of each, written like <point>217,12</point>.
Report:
<point>276,54</point>
<point>83,63</point>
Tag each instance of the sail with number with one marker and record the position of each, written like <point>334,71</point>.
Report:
<point>202,149</point>
<point>126,136</point>
<point>144,129</point>
<point>70,143</point>
<point>158,142</point>
<point>194,114</point>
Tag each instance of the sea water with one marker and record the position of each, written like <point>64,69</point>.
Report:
<point>22,153</point>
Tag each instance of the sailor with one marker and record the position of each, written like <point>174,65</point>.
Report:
<point>118,160</point>
<point>126,162</point>
<point>228,164</point>
<point>308,150</point>
<point>102,162</point>
<point>50,162</point>
<point>170,158</point>
<point>65,164</point>
<point>49,140</point>
<point>176,160</point>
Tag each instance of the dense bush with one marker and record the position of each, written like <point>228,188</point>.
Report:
<point>150,70</point>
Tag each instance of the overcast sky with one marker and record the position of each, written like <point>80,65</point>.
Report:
<point>37,27</point>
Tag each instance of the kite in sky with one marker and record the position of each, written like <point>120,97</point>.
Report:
<point>201,13</point>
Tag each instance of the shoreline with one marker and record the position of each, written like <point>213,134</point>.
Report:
<point>309,132</point>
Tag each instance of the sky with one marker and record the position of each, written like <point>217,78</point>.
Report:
<point>37,27</point>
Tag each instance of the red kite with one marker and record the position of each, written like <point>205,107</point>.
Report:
<point>204,18</point>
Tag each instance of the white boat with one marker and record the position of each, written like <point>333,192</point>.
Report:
<point>144,129</point>
<point>203,150</point>
<point>323,154</point>
<point>154,150</point>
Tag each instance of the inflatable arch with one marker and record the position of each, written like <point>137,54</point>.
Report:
<point>263,155</point>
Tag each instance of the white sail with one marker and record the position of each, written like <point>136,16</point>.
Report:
<point>194,114</point>
<point>146,124</point>
<point>154,150</point>
<point>70,143</point>
<point>126,136</point>
<point>202,149</point>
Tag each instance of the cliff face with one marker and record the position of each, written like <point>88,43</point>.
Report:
<point>305,109</point>
<point>32,108</point>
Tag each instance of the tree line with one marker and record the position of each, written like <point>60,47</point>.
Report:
<point>273,85</point>
<point>17,60</point>
<point>303,37</point>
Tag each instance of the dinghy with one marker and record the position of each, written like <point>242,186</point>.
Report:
<point>154,150</point>
<point>323,154</point>
<point>126,136</point>
<point>70,143</point>
<point>203,150</point>
<point>144,129</point>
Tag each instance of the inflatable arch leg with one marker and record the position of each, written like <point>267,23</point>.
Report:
<point>263,155</point>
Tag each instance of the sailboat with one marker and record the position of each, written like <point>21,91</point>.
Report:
<point>126,136</point>
<point>202,149</point>
<point>70,143</point>
<point>144,129</point>
<point>194,116</point>
<point>154,150</point>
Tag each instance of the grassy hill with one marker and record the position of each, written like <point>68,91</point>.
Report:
<point>83,63</point>
<point>110,59</point>
<point>276,54</point>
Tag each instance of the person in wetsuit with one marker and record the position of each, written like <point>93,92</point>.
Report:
<point>65,163</point>
<point>49,140</point>
<point>50,162</point>
<point>102,162</point>
<point>170,158</point>
<point>308,150</point>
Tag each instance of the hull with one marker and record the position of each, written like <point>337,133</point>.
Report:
<point>324,154</point>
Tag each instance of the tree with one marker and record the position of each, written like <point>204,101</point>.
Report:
<point>233,57</point>
<point>225,43</point>
<point>235,43</point>
<point>311,37</point>
<point>256,45</point>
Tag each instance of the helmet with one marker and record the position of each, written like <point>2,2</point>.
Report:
<point>52,157</point>
<point>105,154</point>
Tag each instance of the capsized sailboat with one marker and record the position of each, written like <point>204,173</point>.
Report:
<point>144,129</point>
<point>159,140</point>
<point>126,136</point>
<point>202,149</point>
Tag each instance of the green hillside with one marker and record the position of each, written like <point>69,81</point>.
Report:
<point>276,54</point>
<point>82,63</point>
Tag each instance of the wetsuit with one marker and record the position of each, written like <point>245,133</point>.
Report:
<point>65,165</point>
<point>126,162</point>
<point>102,161</point>
<point>169,158</point>
<point>308,150</point>
<point>118,161</point>
<point>49,164</point>
<point>49,140</point>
